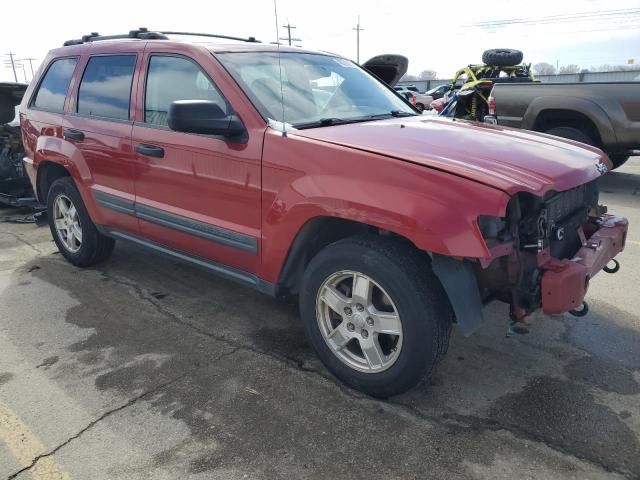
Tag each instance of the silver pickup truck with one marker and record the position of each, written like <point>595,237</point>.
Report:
<point>606,115</point>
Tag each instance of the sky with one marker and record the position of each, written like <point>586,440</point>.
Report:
<point>583,32</point>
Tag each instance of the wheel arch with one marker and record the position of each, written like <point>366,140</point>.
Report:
<point>313,236</point>
<point>455,276</point>
<point>48,172</point>
<point>548,112</point>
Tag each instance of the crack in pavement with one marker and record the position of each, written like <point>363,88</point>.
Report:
<point>446,420</point>
<point>22,240</point>
<point>108,413</point>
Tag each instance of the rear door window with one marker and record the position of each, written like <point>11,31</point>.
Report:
<point>55,84</point>
<point>173,78</point>
<point>105,89</point>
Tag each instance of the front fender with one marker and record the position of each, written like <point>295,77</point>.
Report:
<point>435,210</point>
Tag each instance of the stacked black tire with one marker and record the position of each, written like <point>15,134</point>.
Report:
<point>502,57</point>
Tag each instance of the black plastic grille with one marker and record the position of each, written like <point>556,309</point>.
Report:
<point>566,212</point>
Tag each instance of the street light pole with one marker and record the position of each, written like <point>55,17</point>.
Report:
<point>358,30</point>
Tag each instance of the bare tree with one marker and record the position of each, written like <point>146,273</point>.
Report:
<point>544,68</point>
<point>569,69</point>
<point>428,75</point>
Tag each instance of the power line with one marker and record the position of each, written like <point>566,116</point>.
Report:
<point>574,17</point>
<point>562,17</point>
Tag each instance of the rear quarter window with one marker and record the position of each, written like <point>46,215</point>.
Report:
<point>55,84</point>
<point>105,89</point>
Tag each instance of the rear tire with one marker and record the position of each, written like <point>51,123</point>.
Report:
<point>502,57</point>
<point>420,107</point>
<point>414,297</point>
<point>571,133</point>
<point>73,231</point>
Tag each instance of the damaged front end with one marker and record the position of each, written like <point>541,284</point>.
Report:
<point>15,188</point>
<point>545,251</point>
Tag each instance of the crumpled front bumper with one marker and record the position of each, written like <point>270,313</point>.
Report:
<point>565,282</point>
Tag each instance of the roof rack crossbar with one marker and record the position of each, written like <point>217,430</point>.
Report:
<point>144,34</point>
<point>141,33</point>
<point>213,35</point>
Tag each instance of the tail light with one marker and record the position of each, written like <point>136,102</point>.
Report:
<point>413,100</point>
<point>492,105</point>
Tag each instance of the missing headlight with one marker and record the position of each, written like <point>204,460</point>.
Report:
<point>492,227</point>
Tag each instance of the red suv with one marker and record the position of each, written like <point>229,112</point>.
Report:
<point>300,173</point>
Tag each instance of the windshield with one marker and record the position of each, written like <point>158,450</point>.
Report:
<point>318,90</point>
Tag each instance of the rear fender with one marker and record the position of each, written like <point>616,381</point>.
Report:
<point>66,154</point>
<point>589,109</point>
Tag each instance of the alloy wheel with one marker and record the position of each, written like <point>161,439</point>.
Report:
<point>67,223</point>
<point>359,321</point>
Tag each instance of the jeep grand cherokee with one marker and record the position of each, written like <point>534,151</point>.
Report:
<point>299,173</point>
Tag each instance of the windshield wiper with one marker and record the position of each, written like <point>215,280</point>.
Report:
<point>326,122</point>
<point>393,113</point>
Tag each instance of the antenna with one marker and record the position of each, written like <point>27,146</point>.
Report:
<point>275,11</point>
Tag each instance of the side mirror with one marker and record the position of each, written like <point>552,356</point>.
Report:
<point>204,117</point>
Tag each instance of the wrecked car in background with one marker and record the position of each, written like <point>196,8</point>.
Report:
<point>15,189</point>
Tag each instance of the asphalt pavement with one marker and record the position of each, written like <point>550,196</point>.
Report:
<point>143,368</point>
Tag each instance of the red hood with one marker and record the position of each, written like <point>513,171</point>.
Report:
<point>509,159</point>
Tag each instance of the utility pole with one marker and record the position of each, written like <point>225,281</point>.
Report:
<point>358,30</point>
<point>13,65</point>
<point>24,72</point>
<point>30,60</point>
<point>289,27</point>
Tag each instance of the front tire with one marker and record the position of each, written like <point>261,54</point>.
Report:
<point>375,313</point>
<point>73,231</point>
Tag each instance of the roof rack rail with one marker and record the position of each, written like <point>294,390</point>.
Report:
<point>144,34</point>
<point>141,33</point>
<point>226,37</point>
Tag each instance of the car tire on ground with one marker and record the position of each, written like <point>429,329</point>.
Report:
<point>375,313</point>
<point>502,57</point>
<point>73,231</point>
<point>618,160</point>
<point>420,107</point>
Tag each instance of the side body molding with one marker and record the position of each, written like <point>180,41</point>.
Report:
<point>213,233</point>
